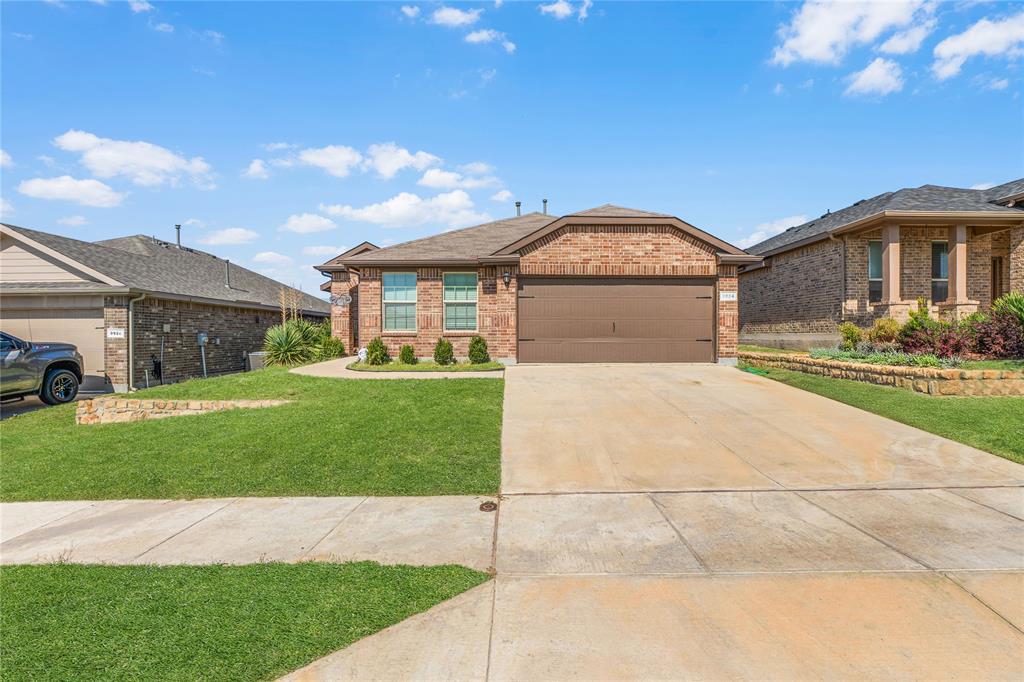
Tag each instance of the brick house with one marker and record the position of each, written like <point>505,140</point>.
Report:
<point>135,306</point>
<point>957,248</point>
<point>608,284</point>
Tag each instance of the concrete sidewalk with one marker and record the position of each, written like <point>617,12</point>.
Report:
<point>406,530</point>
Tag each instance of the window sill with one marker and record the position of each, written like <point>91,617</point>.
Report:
<point>460,332</point>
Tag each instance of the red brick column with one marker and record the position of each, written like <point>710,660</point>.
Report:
<point>115,350</point>
<point>344,316</point>
<point>728,314</point>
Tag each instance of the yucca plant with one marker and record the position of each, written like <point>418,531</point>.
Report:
<point>285,344</point>
<point>1010,304</point>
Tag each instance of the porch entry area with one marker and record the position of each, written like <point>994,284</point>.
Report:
<point>616,320</point>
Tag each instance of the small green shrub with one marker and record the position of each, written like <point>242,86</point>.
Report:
<point>885,330</point>
<point>1010,304</point>
<point>285,344</point>
<point>443,352</point>
<point>328,348</point>
<point>406,355</point>
<point>377,353</point>
<point>478,354</point>
<point>851,335</point>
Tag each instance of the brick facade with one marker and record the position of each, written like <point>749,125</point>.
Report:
<point>812,289</point>
<point>1015,263</point>
<point>115,351</point>
<point>578,250</point>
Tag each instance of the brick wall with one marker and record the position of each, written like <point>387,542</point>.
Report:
<point>797,292</point>
<point>239,330</point>
<point>496,313</point>
<point>115,351</point>
<point>611,250</point>
<point>1016,262</point>
<point>345,318</point>
<point>728,313</point>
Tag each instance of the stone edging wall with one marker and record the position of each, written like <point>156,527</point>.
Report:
<point>112,410</point>
<point>990,382</point>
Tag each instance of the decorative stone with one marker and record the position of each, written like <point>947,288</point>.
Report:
<point>107,411</point>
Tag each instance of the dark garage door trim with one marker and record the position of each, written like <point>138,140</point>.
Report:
<point>616,319</point>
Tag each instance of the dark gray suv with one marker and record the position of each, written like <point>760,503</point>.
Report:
<point>53,371</point>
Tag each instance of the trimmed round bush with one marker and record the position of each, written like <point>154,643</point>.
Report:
<point>478,354</point>
<point>406,355</point>
<point>377,353</point>
<point>329,348</point>
<point>443,352</point>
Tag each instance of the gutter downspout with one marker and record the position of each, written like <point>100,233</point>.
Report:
<point>131,342</point>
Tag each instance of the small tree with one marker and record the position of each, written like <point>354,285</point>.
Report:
<point>377,353</point>
<point>478,354</point>
<point>443,352</point>
<point>850,334</point>
<point>406,355</point>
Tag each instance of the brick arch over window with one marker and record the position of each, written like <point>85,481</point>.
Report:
<point>619,250</point>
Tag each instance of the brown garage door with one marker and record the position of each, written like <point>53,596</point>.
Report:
<point>82,327</point>
<point>616,320</point>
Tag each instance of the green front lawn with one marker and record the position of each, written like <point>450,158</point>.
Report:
<point>337,437</point>
<point>1011,365</point>
<point>66,621</point>
<point>427,367</point>
<point>750,348</point>
<point>991,424</point>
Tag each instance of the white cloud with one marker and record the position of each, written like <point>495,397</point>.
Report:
<point>194,221</point>
<point>23,36</point>
<point>163,27</point>
<point>778,89</point>
<point>452,17</point>
<point>560,9</point>
<point>501,195</point>
<point>138,6</point>
<point>66,188</point>
<point>983,185</point>
<point>144,163</point>
<point>489,35</point>
<point>477,168</point>
<point>880,77</point>
<point>307,223</point>
<point>5,159</point>
<point>204,71</point>
<point>272,257</point>
<point>908,41</point>
<point>1000,38</point>
<point>230,236</point>
<point>276,146</point>
<point>388,158</point>
<point>211,36</point>
<point>338,160</point>
<point>770,229</point>
<point>6,208</point>
<point>442,179</point>
<point>584,10</point>
<point>823,31</point>
<point>410,11</point>
<point>73,221</point>
<point>454,209</point>
<point>323,250</point>
<point>998,84</point>
<point>257,170</point>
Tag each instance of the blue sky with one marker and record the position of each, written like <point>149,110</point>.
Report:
<point>279,133</point>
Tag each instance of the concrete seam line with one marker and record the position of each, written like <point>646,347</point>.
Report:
<point>705,491</point>
<point>981,601</point>
<point>987,506</point>
<point>334,528</point>
<point>868,533</point>
<point>490,632</point>
<point>679,534</point>
<point>174,535</point>
<point>59,518</point>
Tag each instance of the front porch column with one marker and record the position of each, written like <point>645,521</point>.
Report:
<point>1017,259</point>
<point>957,305</point>
<point>892,303</point>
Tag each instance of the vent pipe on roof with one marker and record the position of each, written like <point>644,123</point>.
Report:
<point>177,229</point>
<point>519,208</point>
<point>545,207</point>
<point>227,274</point>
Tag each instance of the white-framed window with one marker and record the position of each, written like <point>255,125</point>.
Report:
<point>460,301</point>
<point>940,271</point>
<point>874,271</point>
<point>398,294</point>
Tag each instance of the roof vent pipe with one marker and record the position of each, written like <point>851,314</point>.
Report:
<point>227,274</point>
<point>519,208</point>
<point>545,207</point>
<point>177,229</point>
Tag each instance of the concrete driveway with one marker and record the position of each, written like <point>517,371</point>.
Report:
<point>630,428</point>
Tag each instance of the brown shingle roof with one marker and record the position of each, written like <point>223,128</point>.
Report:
<point>613,211</point>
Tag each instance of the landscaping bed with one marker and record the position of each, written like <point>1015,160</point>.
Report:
<point>414,437</point>
<point>427,367</point>
<point>992,424</point>
<point>257,622</point>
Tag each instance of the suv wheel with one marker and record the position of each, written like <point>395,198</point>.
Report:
<point>60,386</point>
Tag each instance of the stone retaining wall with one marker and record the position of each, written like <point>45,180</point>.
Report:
<point>111,410</point>
<point>990,382</point>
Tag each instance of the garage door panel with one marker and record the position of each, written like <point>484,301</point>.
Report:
<point>616,320</point>
<point>82,327</point>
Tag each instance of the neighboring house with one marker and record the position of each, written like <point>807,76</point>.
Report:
<point>958,248</point>
<point>605,285</point>
<point>127,303</point>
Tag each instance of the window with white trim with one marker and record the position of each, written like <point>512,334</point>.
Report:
<point>874,271</point>
<point>460,301</point>
<point>940,271</point>
<point>399,300</point>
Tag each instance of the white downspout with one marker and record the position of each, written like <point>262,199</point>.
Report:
<point>131,342</point>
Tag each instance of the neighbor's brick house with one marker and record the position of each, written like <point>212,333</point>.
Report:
<point>957,248</point>
<point>128,302</point>
<point>604,285</point>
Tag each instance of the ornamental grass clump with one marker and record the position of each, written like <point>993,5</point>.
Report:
<point>286,344</point>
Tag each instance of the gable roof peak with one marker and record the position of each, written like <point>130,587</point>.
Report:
<point>615,211</point>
